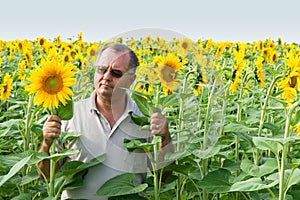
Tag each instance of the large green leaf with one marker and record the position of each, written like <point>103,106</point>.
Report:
<point>267,144</point>
<point>142,103</point>
<point>296,118</point>
<point>65,112</point>
<point>294,177</point>
<point>131,145</point>
<point>71,174</point>
<point>252,184</point>
<point>120,185</point>
<point>64,153</point>
<point>15,169</point>
<point>73,167</point>
<point>67,136</point>
<point>170,100</point>
<point>208,153</point>
<point>31,176</point>
<point>216,181</point>
<point>258,171</point>
<point>235,127</point>
<point>139,120</point>
<point>22,197</point>
<point>275,129</point>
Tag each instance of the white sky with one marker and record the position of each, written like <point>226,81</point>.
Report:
<point>233,20</point>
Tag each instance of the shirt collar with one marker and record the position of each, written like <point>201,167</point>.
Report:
<point>130,104</point>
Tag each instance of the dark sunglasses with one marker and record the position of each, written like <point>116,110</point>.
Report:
<point>113,72</point>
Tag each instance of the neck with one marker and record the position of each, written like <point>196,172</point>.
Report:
<point>111,108</point>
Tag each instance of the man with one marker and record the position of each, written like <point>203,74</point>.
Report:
<point>104,122</point>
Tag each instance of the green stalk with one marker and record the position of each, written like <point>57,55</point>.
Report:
<point>51,193</point>
<point>26,136</point>
<point>263,115</point>
<point>155,170</point>
<point>282,183</point>
<point>28,123</point>
<point>52,171</point>
<point>205,136</point>
<point>180,127</point>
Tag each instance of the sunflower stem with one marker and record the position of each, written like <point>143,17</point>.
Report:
<point>282,182</point>
<point>52,170</point>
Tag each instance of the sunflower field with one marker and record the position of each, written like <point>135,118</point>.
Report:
<point>232,107</point>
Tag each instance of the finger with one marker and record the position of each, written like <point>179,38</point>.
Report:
<point>53,118</point>
<point>156,115</point>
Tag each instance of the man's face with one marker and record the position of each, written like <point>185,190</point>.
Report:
<point>110,74</point>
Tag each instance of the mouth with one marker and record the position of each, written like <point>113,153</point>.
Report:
<point>105,85</point>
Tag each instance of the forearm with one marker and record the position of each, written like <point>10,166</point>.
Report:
<point>166,146</point>
<point>44,165</point>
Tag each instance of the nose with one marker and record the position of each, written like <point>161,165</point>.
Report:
<point>107,75</point>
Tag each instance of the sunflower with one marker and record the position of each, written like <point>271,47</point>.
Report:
<point>51,83</point>
<point>92,50</point>
<point>41,41</point>
<point>288,92</point>
<point>259,71</point>
<point>186,43</point>
<point>167,68</point>
<point>298,129</point>
<point>5,87</point>
<point>145,87</point>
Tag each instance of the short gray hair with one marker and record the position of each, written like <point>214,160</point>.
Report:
<point>121,48</point>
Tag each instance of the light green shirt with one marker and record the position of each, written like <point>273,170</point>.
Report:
<point>97,138</point>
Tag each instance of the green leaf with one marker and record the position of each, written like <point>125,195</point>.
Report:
<point>11,159</point>
<point>235,127</point>
<point>65,112</point>
<point>131,145</point>
<point>64,153</point>
<point>120,185</point>
<point>22,197</point>
<point>296,118</point>
<point>139,120</point>
<point>252,184</point>
<point>267,144</point>
<point>72,182</point>
<point>73,167</point>
<point>142,103</point>
<point>258,171</point>
<point>275,129</point>
<point>67,136</point>
<point>15,169</point>
<point>71,174</point>
<point>294,177</point>
<point>170,100</point>
<point>216,181</point>
<point>31,176</point>
<point>208,153</point>
<point>245,136</point>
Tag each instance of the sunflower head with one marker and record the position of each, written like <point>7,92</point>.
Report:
<point>167,69</point>
<point>51,83</point>
<point>5,87</point>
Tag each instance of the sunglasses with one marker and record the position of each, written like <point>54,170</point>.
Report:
<point>113,72</point>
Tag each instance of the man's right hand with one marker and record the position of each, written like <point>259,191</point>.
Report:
<point>51,130</point>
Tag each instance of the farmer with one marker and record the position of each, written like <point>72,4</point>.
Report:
<point>103,122</point>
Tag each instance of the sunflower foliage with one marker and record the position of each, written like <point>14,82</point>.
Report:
<point>232,108</point>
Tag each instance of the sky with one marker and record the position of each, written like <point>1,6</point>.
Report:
<point>98,20</point>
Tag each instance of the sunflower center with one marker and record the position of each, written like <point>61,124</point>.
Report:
<point>92,53</point>
<point>184,45</point>
<point>53,84</point>
<point>168,74</point>
<point>5,87</point>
